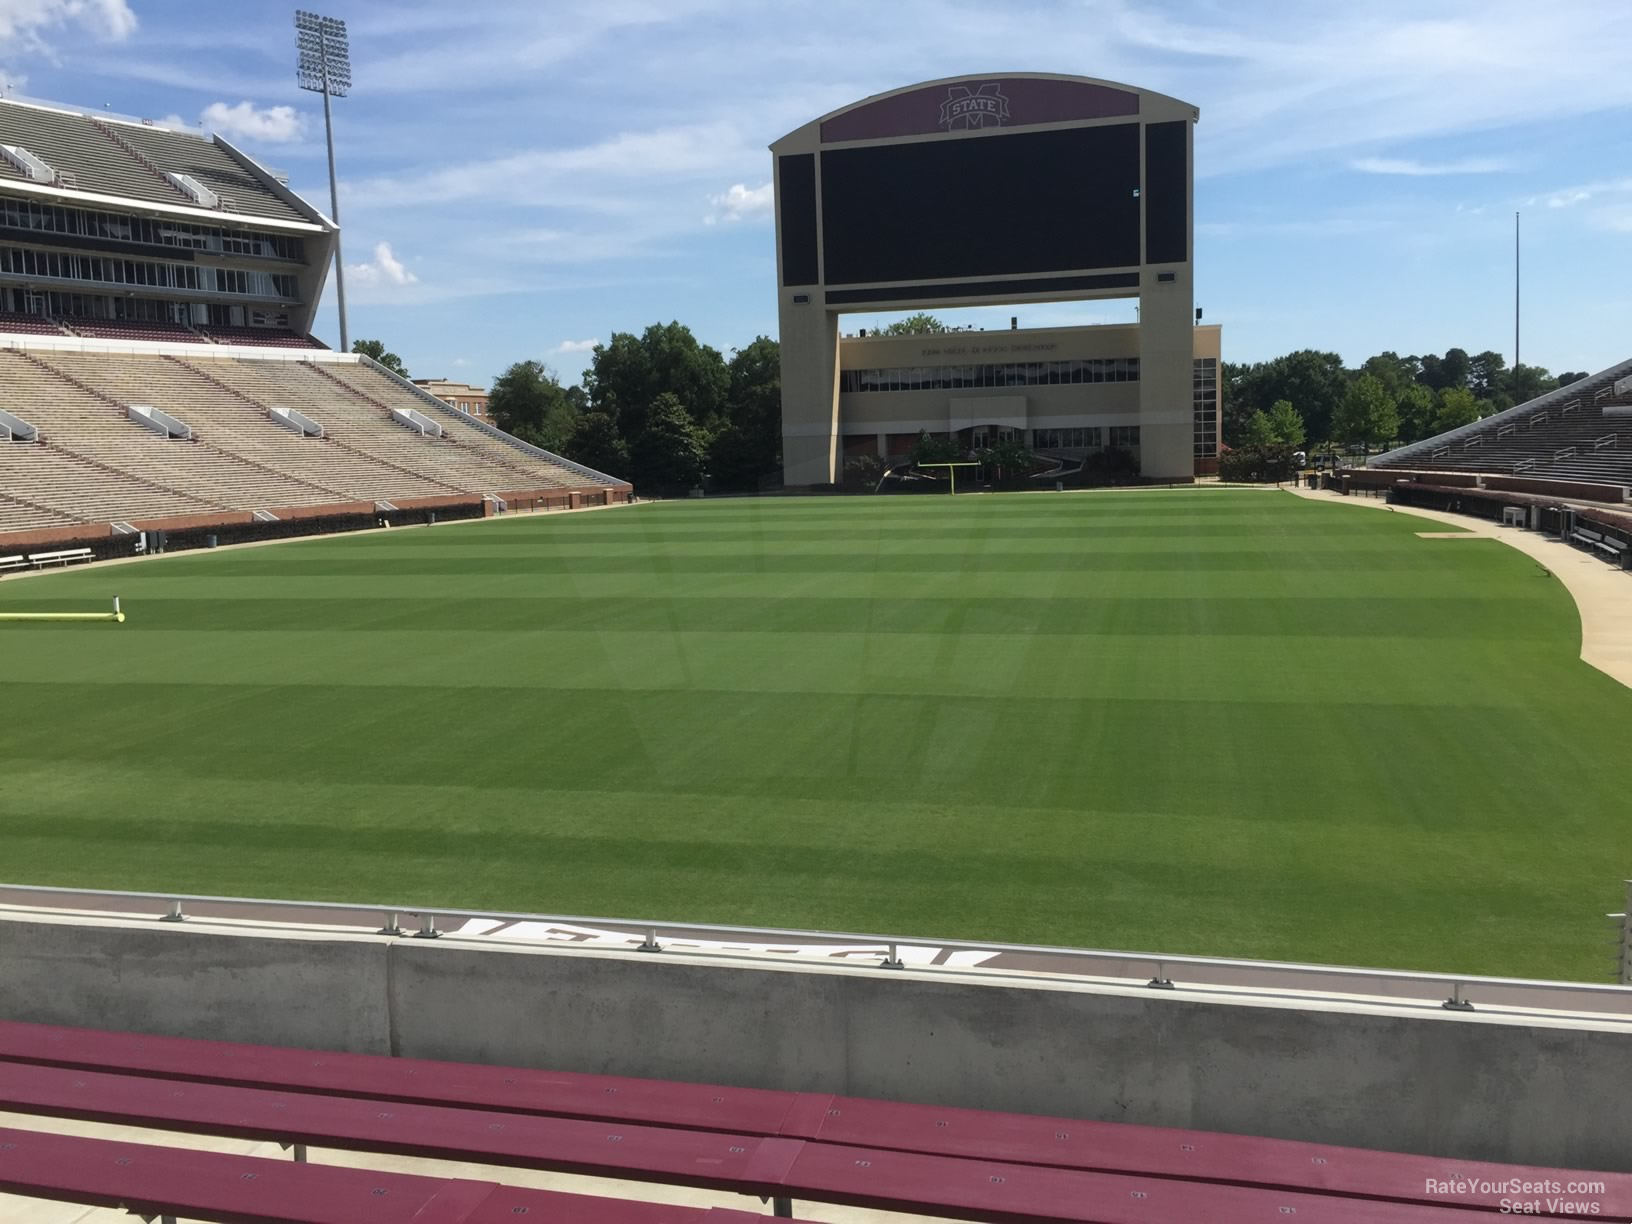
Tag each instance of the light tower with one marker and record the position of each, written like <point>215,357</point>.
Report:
<point>324,67</point>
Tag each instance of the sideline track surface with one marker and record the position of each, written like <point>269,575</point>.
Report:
<point>1228,723</point>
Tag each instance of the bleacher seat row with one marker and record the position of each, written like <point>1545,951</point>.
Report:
<point>783,1145</point>
<point>1574,433</point>
<point>151,1181</point>
<point>91,464</point>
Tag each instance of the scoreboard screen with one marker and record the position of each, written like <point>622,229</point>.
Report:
<point>1020,204</point>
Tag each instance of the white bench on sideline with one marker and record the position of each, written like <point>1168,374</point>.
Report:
<point>11,563</point>
<point>65,556</point>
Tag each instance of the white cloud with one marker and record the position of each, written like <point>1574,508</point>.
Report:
<point>384,269</point>
<point>739,201</point>
<point>274,125</point>
<point>568,175</point>
<point>1566,198</point>
<point>460,362</point>
<point>1408,166</point>
<point>23,23</point>
<point>576,346</point>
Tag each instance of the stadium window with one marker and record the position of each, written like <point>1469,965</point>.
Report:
<point>1125,435</point>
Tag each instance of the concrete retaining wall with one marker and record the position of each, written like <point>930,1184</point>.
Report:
<point>1546,1091</point>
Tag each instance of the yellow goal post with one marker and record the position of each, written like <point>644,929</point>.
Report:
<point>116,615</point>
<point>951,471</point>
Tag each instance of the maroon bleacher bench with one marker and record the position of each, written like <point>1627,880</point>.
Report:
<point>1017,1139</point>
<point>778,1169</point>
<point>149,1180</point>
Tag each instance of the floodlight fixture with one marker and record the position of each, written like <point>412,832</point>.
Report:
<point>323,65</point>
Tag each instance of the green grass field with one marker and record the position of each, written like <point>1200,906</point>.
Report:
<point>1203,721</point>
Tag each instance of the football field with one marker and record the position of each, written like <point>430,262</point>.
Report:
<point>1196,721</point>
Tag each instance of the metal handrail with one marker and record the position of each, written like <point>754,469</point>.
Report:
<point>1459,985</point>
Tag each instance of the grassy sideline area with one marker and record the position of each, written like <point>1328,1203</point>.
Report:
<point>1196,721</point>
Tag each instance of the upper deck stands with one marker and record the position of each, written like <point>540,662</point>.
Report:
<point>212,166</point>
<point>118,158</point>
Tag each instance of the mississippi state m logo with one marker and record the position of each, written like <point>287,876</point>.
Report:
<point>985,107</point>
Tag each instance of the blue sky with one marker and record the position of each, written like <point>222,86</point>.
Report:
<point>519,179</point>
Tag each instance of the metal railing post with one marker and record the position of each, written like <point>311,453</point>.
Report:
<point>427,928</point>
<point>1456,1002</point>
<point>1161,981</point>
<point>1626,939</point>
<point>174,914</point>
<point>651,944</point>
<point>892,959</point>
<point>392,926</point>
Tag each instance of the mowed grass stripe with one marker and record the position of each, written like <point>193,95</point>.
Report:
<point>1195,721</point>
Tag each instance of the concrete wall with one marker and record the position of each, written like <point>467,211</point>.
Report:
<point>1544,1092</point>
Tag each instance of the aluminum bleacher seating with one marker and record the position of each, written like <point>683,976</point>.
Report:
<point>211,165</point>
<point>782,1144</point>
<point>150,1181</point>
<point>75,418</point>
<point>23,516</point>
<point>1568,434</point>
<point>93,464</point>
<point>372,385</point>
<point>83,490</point>
<point>71,143</point>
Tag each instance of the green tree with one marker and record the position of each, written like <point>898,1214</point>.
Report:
<point>1286,423</point>
<point>667,455</point>
<point>935,448</point>
<point>919,324</point>
<point>595,443</point>
<point>629,372</point>
<point>1525,382</point>
<point>1257,464</point>
<point>1455,367</point>
<point>1315,381</point>
<point>1365,415</point>
<point>1485,372</point>
<point>528,401</point>
<point>1009,456</point>
<point>1571,376</point>
<point>1418,410</point>
<point>863,470</point>
<point>376,349</point>
<point>748,444</point>
<point>1457,407</point>
<point>1260,429</point>
<point>1396,373</point>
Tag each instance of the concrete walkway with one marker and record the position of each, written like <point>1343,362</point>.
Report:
<point>1602,593</point>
